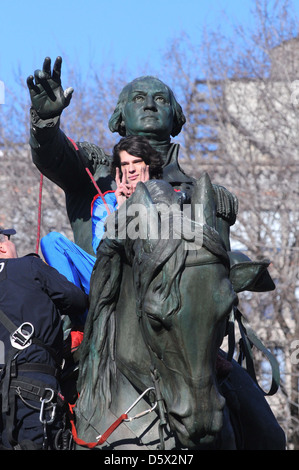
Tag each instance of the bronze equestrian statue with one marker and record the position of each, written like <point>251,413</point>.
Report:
<point>160,305</point>
<point>146,106</point>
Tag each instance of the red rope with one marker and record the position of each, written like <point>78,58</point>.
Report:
<point>104,436</point>
<point>91,176</point>
<point>39,214</point>
<point>40,196</point>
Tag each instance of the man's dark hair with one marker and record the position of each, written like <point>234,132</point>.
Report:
<point>138,146</point>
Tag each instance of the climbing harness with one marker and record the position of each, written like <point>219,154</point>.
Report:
<point>26,388</point>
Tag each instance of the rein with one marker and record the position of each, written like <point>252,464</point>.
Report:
<point>248,339</point>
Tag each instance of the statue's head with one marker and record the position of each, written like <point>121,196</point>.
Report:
<point>146,106</point>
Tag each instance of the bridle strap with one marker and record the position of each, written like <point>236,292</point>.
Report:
<point>155,379</point>
<point>248,339</point>
<point>159,399</point>
<point>161,407</point>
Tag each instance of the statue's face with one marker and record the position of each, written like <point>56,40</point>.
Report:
<point>148,110</point>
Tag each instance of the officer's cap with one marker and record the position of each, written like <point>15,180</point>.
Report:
<point>8,231</point>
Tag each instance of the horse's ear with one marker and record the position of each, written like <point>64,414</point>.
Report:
<point>142,195</point>
<point>148,214</point>
<point>248,275</point>
<point>204,199</point>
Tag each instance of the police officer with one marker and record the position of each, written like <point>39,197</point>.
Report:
<point>33,296</point>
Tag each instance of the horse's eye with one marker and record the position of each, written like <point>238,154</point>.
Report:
<point>154,321</point>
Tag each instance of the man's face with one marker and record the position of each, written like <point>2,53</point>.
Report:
<point>148,110</point>
<point>133,167</point>
<point>7,248</point>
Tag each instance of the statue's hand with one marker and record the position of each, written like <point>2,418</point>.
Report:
<point>47,95</point>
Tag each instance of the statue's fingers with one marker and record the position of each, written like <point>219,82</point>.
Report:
<point>47,67</point>
<point>41,79</point>
<point>68,95</point>
<point>31,85</point>
<point>57,69</point>
<point>38,76</point>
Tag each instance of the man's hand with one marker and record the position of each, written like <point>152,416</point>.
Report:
<point>47,95</point>
<point>145,174</point>
<point>123,190</point>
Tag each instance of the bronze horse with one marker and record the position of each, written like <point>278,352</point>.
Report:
<point>158,315</point>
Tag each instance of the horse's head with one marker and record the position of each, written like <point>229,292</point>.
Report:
<point>183,299</point>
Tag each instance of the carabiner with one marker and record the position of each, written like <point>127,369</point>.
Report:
<point>121,418</point>
<point>42,408</point>
<point>142,413</point>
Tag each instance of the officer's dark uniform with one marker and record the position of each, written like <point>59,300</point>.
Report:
<point>35,293</point>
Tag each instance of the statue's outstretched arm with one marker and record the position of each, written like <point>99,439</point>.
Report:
<point>52,152</point>
<point>47,95</point>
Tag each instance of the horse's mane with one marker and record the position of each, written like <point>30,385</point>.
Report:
<point>96,363</point>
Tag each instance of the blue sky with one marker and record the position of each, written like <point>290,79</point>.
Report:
<point>131,32</point>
